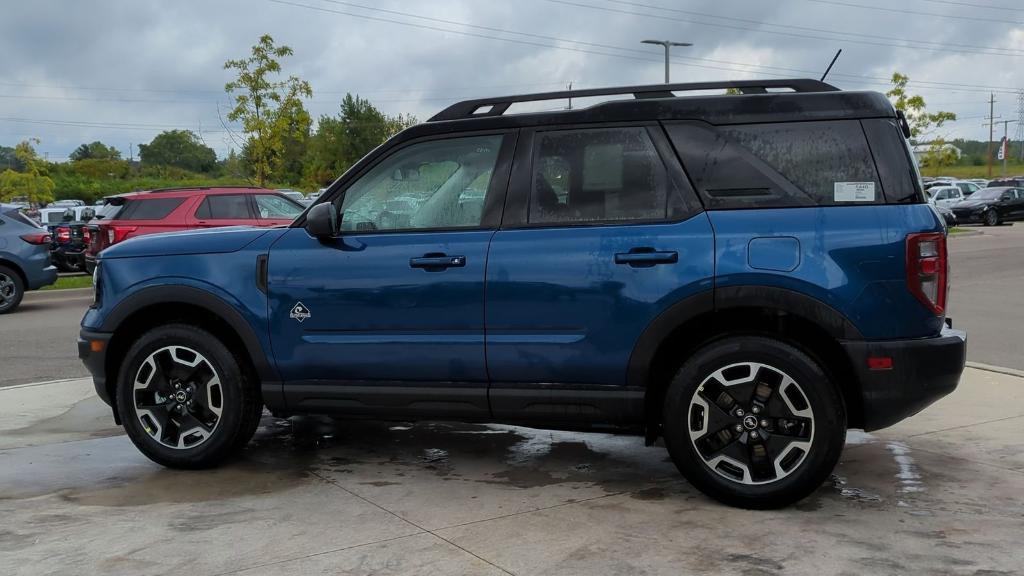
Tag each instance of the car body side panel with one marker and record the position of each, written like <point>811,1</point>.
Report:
<point>851,258</point>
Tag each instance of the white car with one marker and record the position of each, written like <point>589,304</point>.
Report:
<point>946,196</point>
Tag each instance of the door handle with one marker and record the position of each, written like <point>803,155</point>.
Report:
<point>646,257</point>
<point>437,262</point>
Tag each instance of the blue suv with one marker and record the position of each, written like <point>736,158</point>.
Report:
<point>24,257</point>
<point>743,275</point>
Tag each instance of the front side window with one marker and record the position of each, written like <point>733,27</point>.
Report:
<point>597,175</point>
<point>429,185</point>
<point>276,207</point>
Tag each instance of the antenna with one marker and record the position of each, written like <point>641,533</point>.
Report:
<point>831,64</point>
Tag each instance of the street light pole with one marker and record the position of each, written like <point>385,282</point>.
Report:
<point>667,44</point>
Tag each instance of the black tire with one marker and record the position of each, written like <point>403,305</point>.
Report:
<point>991,217</point>
<point>240,403</point>
<point>12,290</point>
<point>828,423</point>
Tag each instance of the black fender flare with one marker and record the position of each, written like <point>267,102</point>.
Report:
<point>177,294</point>
<point>722,300</point>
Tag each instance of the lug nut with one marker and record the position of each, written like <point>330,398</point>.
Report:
<point>739,412</point>
<point>755,409</point>
<point>753,434</point>
<point>764,423</point>
<point>739,428</point>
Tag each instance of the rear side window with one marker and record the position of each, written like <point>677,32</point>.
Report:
<point>779,165</point>
<point>224,207</point>
<point>598,175</point>
<point>148,209</point>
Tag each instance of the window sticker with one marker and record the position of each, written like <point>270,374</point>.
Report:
<point>854,191</point>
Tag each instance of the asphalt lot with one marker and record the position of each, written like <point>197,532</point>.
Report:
<point>985,299</point>
<point>941,493</point>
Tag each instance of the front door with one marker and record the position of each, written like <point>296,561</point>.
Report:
<point>388,318</point>
<point>601,233</point>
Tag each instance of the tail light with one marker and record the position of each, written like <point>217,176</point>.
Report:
<point>37,239</point>
<point>116,234</point>
<point>928,270</point>
<point>86,236</point>
<point>63,235</point>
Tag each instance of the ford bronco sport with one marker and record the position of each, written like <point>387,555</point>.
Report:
<point>743,275</point>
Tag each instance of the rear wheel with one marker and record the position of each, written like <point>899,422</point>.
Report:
<point>754,422</point>
<point>184,399</point>
<point>12,290</point>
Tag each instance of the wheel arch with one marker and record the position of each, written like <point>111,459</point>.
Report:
<point>17,270</point>
<point>161,305</point>
<point>793,317</point>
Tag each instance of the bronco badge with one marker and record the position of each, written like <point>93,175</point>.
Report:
<point>299,312</point>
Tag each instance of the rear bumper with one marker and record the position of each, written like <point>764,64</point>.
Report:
<point>92,350</point>
<point>923,370</point>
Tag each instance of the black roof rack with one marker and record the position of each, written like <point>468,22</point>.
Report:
<point>497,106</point>
<point>182,188</point>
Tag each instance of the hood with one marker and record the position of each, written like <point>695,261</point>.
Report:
<point>211,241</point>
<point>970,203</point>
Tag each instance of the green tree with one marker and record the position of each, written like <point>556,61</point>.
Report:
<point>96,150</point>
<point>9,160</point>
<point>269,109</point>
<point>179,148</point>
<point>32,183</point>
<point>923,124</point>
<point>340,141</point>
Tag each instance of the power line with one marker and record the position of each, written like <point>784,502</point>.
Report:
<point>916,13</point>
<point>969,5</point>
<point>904,42</point>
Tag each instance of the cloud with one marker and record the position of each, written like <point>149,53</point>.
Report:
<point>122,70</point>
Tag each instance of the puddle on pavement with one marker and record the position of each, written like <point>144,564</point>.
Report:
<point>88,417</point>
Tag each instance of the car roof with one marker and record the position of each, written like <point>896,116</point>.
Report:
<point>193,191</point>
<point>757,101</point>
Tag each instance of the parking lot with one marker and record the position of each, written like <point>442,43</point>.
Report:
<point>939,493</point>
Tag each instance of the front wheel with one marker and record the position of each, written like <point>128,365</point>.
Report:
<point>184,399</point>
<point>991,218</point>
<point>754,422</point>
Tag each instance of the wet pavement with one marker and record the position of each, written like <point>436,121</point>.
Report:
<point>941,493</point>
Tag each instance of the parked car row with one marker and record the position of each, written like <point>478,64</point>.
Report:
<point>968,201</point>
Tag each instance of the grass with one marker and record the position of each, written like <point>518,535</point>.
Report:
<point>69,282</point>
<point>964,172</point>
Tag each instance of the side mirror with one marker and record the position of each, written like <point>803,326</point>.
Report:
<point>322,221</point>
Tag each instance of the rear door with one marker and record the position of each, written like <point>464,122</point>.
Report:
<point>223,210</point>
<point>601,233</point>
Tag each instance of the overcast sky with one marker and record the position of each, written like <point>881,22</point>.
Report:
<point>121,71</point>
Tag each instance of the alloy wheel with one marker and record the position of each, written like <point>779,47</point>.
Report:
<point>751,423</point>
<point>178,397</point>
<point>8,291</point>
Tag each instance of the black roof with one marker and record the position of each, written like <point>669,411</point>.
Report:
<point>758,101</point>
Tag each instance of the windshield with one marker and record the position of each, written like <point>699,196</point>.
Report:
<point>988,194</point>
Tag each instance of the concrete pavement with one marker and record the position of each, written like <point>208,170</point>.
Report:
<point>37,342</point>
<point>941,493</point>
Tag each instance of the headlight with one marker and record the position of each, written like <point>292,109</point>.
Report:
<point>96,276</point>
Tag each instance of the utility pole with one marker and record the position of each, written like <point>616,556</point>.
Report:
<point>570,97</point>
<point>991,128</point>
<point>667,44</point>
<point>131,153</point>
<point>1020,122</point>
<point>1005,144</point>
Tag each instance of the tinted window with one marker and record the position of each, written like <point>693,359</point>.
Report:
<point>435,184</point>
<point>148,208</point>
<point>270,206</point>
<point>224,207</point>
<point>599,175</point>
<point>779,165</point>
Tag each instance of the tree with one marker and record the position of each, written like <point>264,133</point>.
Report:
<point>96,150</point>
<point>9,160</point>
<point>340,141</point>
<point>32,183</point>
<point>270,110</point>
<point>923,124</point>
<point>179,148</point>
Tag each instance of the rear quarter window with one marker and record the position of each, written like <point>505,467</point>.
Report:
<point>779,165</point>
<point>148,208</point>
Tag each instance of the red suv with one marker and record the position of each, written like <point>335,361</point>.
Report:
<point>173,209</point>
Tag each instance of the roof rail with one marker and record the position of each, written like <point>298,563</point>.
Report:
<point>497,106</point>
<point>182,188</point>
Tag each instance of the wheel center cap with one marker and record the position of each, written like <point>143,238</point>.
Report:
<point>180,396</point>
<point>750,422</point>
